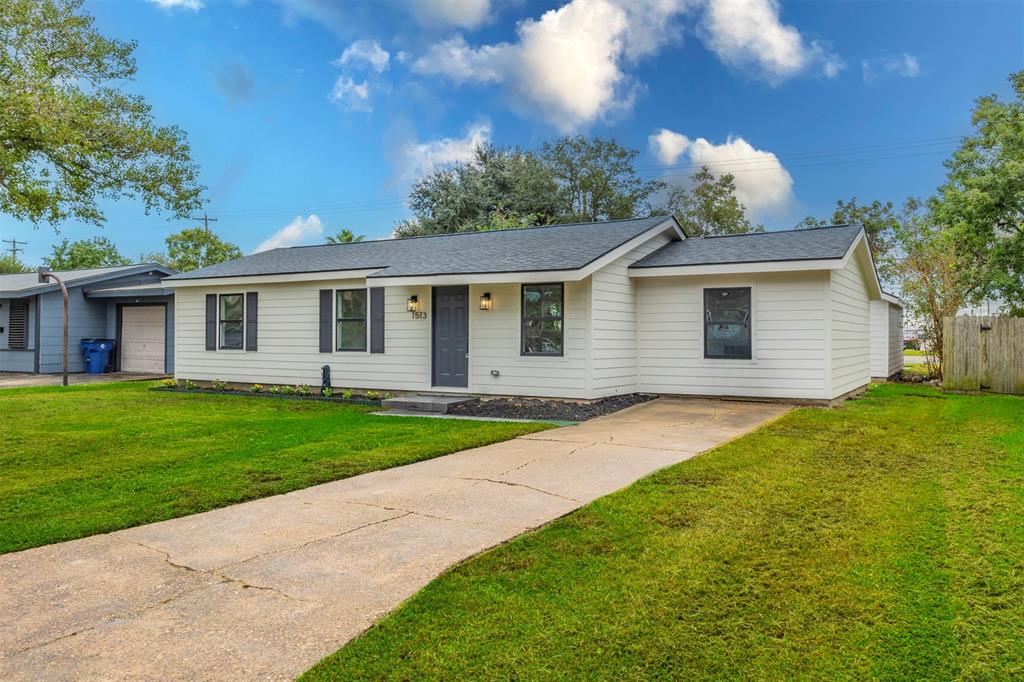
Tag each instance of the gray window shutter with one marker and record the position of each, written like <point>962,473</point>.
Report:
<point>211,322</point>
<point>326,320</point>
<point>251,319</point>
<point>376,319</point>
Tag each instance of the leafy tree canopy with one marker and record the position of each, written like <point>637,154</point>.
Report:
<point>196,247</point>
<point>571,179</point>
<point>98,252</point>
<point>598,179</point>
<point>982,201</point>
<point>68,136</point>
<point>9,265</point>
<point>344,236</point>
<point>880,221</point>
<point>504,187</point>
<point>709,207</point>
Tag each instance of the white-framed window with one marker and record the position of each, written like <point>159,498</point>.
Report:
<point>350,333</point>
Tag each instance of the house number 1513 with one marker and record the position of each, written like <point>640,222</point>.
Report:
<point>419,315</point>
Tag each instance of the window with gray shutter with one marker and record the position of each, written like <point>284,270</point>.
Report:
<point>211,322</point>
<point>377,319</point>
<point>326,320</point>
<point>17,326</point>
<point>251,319</point>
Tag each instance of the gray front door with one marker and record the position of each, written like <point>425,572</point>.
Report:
<point>451,336</point>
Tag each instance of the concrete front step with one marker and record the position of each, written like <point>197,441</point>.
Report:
<point>438,404</point>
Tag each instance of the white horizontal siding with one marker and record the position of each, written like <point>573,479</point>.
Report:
<point>789,337</point>
<point>495,345</point>
<point>879,339</point>
<point>895,339</point>
<point>851,328</point>
<point>614,322</point>
<point>289,343</point>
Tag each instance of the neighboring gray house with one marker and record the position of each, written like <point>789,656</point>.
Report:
<point>571,311</point>
<point>127,303</point>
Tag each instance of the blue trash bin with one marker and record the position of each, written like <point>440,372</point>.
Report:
<point>96,353</point>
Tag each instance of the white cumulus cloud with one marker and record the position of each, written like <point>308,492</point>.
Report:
<point>351,95</point>
<point>565,65</point>
<point>763,185</point>
<point>905,65</point>
<point>455,13</point>
<point>416,159</point>
<point>298,231</point>
<point>750,35</point>
<point>194,5</point>
<point>367,52</point>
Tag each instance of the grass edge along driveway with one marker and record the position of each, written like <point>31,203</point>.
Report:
<point>91,459</point>
<point>882,539</point>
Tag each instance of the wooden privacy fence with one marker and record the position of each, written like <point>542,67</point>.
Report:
<point>983,354</point>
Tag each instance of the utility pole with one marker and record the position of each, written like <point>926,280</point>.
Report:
<point>14,246</point>
<point>206,222</point>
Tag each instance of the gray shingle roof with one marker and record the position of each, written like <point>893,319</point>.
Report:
<point>555,247</point>
<point>811,244</point>
<point>26,284</point>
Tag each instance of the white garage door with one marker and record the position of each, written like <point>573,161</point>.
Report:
<point>142,339</point>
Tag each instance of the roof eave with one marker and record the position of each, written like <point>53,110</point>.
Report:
<point>50,286</point>
<point>737,267</point>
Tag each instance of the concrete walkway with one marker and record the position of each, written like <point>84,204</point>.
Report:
<point>265,589</point>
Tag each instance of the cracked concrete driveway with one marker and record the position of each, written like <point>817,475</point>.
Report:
<point>263,590</point>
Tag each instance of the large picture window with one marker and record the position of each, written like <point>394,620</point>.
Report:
<point>232,316</point>
<point>727,323</point>
<point>542,319</point>
<point>351,332</point>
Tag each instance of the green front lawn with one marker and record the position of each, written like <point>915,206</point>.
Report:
<point>880,540</point>
<point>95,458</point>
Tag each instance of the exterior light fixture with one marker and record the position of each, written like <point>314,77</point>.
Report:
<point>485,301</point>
<point>413,304</point>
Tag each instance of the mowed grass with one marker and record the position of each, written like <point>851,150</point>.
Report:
<point>90,459</point>
<point>880,540</point>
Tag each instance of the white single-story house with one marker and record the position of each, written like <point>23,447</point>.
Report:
<point>125,303</point>
<point>570,311</point>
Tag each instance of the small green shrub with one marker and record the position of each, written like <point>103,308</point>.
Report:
<point>303,389</point>
<point>372,395</point>
<point>327,391</point>
<point>169,383</point>
<point>219,385</point>
<point>347,394</point>
<point>274,390</point>
<point>287,390</point>
<point>387,396</point>
<point>256,388</point>
<point>190,385</point>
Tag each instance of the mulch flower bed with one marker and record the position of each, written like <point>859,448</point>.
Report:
<point>557,410</point>
<point>336,398</point>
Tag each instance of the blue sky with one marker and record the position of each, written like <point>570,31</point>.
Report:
<point>309,116</point>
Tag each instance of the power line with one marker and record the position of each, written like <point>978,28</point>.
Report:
<point>206,221</point>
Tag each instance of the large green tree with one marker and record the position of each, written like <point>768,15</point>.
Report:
<point>497,187</point>
<point>880,221</point>
<point>9,265</point>
<point>598,179</point>
<point>69,136</point>
<point>708,206</point>
<point>98,252</point>
<point>982,201</point>
<point>196,247</point>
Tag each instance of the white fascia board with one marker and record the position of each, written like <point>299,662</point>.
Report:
<point>533,277</point>
<point>895,300</point>
<point>738,268</point>
<point>270,279</point>
<point>620,251</point>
